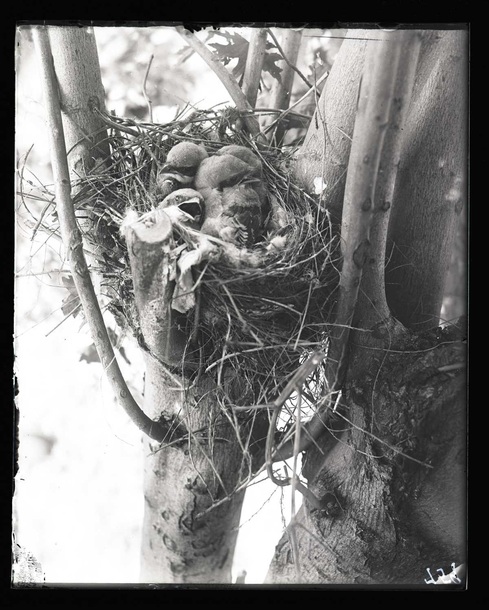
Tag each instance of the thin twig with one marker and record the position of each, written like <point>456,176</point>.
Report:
<point>293,535</point>
<point>286,59</point>
<point>148,100</point>
<point>294,385</point>
<point>288,110</point>
<point>226,79</point>
<point>73,241</point>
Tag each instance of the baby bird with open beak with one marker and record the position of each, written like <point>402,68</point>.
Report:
<point>180,168</point>
<point>184,205</point>
<point>236,200</point>
<point>185,208</point>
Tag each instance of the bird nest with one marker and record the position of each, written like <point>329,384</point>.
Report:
<point>257,317</point>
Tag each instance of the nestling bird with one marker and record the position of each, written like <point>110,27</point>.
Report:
<point>236,200</point>
<point>185,205</point>
<point>253,161</point>
<point>180,167</point>
<point>243,153</point>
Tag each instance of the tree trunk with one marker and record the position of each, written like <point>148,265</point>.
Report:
<point>386,518</point>
<point>392,487</point>
<point>431,184</point>
<point>185,539</point>
<point>324,154</point>
<point>282,89</point>
<point>80,86</point>
<point>77,68</point>
<point>200,462</point>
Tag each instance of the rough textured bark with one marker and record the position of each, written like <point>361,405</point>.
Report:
<point>387,518</point>
<point>196,466</point>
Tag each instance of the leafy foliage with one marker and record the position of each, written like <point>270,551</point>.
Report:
<point>270,62</point>
<point>235,48</point>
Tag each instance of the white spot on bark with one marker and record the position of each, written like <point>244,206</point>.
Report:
<point>455,192</point>
<point>319,185</point>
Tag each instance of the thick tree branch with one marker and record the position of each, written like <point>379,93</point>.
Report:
<point>372,303</point>
<point>73,241</point>
<point>80,90</point>
<point>254,64</point>
<point>431,182</point>
<point>226,79</point>
<point>373,112</point>
<point>191,484</point>
<point>148,242</point>
<point>282,90</point>
<point>324,154</point>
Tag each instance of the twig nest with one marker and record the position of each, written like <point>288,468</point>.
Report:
<point>254,262</point>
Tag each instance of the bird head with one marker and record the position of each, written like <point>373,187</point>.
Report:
<point>188,202</point>
<point>182,161</point>
<point>243,153</point>
<point>223,171</point>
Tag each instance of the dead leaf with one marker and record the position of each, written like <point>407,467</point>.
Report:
<point>71,302</point>
<point>235,48</point>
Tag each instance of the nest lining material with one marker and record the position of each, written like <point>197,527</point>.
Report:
<point>255,320</point>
